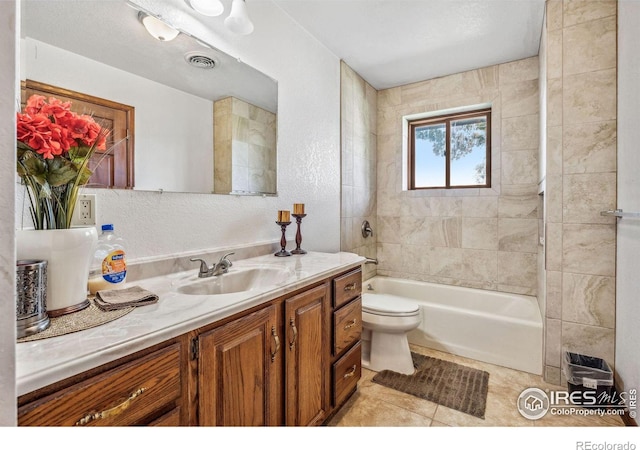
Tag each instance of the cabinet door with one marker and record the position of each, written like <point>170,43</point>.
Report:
<point>307,356</point>
<point>238,372</point>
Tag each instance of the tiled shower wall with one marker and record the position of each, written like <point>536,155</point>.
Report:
<point>581,143</point>
<point>481,238</point>
<point>358,128</point>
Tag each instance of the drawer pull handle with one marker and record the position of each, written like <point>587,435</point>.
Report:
<point>294,330</point>
<point>351,324</point>
<point>350,287</point>
<point>113,411</point>
<point>351,372</point>
<point>276,340</point>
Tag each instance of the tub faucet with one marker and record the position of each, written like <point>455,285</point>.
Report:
<point>371,261</point>
<point>219,268</point>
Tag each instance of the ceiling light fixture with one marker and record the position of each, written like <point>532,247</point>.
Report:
<point>157,28</point>
<point>238,20</point>
<point>210,8</point>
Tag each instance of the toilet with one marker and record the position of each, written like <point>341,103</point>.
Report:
<point>386,320</point>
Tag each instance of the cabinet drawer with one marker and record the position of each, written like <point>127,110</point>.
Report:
<point>346,373</point>
<point>347,287</point>
<point>126,395</point>
<point>347,325</point>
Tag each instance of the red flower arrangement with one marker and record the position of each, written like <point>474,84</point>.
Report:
<point>54,146</point>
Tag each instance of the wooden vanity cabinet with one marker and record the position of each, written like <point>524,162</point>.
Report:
<point>346,362</point>
<point>268,367</point>
<point>292,361</point>
<point>147,388</point>
<point>307,388</point>
<point>239,370</point>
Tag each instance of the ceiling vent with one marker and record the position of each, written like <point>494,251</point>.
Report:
<point>199,60</point>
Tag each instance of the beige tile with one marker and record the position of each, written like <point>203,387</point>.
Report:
<point>553,198</point>
<point>589,299</point>
<point>389,98</point>
<point>388,230</point>
<point>389,203</point>
<point>445,232</point>
<point>520,133</point>
<point>553,246</point>
<point>580,11</point>
<point>517,269</point>
<point>585,195</point>
<point>446,207</point>
<point>419,207</point>
<point>589,249</point>
<point>480,206</point>
<point>519,167</point>
<point>553,342</point>
<point>589,46</point>
<point>554,54</point>
<point>554,102</point>
<point>589,340</point>
<point>554,150</point>
<point>552,375</point>
<point>518,235</point>
<point>590,147</point>
<point>415,259</point>
<point>518,201</point>
<point>481,233</point>
<point>554,14</point>
<point>389,256</point>
<point>415,230</point>
<point>365,411</point>
<point>520,99</point>
<point>589,97</point>
<point>554,295</point>
<point>464,264</point>
<point>517,71</point>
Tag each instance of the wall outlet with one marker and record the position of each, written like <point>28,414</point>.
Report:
<point>85,210</point>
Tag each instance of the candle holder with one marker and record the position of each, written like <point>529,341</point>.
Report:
<point>283,240</point>
<point>298,250</point>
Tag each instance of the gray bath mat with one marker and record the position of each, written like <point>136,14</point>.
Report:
<point>445,383</point>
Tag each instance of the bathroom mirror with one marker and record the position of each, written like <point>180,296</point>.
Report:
<point>100,48</point>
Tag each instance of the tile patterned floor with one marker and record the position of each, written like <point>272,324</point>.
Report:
<point>374,405</point>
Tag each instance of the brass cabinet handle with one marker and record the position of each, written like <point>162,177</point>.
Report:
<point>350,287</point>
<point>276,340</point>
<point>294,330</point>
<point>351,324</point>
<point>111,412</point>
<point>351,372</point>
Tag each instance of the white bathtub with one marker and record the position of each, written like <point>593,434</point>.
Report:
<point>494,327</point>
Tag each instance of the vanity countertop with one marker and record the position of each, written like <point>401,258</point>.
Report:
<point>42,362</point>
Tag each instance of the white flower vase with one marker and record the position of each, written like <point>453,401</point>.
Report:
<point>68,253</point>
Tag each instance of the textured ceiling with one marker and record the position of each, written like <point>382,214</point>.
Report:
<point>395,42</point>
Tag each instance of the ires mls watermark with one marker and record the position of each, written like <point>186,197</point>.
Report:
<point>534,403</point>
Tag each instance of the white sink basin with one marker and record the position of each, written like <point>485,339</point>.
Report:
<point>236,280</point>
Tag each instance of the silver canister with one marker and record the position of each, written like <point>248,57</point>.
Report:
<point>31,297</point>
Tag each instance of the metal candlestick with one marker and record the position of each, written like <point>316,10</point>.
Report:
<point>298,250</point>
<point>283,240</point>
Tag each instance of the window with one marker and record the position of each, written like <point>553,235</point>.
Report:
<point>451,151</point>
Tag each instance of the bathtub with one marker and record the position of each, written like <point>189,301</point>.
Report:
<point>494,327</point>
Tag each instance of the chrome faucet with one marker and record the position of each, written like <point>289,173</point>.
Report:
<point>219,268</point>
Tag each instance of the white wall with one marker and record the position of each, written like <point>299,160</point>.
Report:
<point>628,283</point>
<point>8,99</point>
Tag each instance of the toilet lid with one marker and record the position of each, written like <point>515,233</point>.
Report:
<point>388,305</point>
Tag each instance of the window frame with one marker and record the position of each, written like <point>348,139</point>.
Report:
<point>446,119</point>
